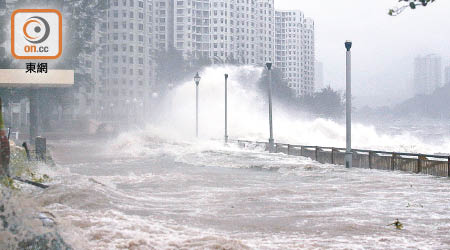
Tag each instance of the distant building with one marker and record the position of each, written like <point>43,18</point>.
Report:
<point>294,50</point>
<point>447,75</point>
<point>231,30</point>
<point>427,74</point>
<point>319,76</point>
<point>122,68</point>
<point>130,32</point>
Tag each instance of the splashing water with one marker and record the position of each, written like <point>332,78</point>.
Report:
<point>248,117</point>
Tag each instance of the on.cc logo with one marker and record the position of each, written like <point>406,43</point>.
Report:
<point>36,34</point>
<point>40,28</point>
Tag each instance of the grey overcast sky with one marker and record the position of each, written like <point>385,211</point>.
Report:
<point>384,46</point>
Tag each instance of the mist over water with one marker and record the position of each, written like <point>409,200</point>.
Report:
<point>248,117</point>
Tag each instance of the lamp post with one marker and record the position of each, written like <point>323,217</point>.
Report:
<point>197,82</point>
<point>348,102</point>
<point>271,141</point>
<point>226,108</point>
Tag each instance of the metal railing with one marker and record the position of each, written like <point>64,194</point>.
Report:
<point>436,165</point>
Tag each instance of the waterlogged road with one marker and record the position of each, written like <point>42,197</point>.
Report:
<point>167,195</point>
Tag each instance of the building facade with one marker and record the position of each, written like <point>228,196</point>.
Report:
<point>294,48</point>
<point>223,31</point>
<point>231,31</point>
<point>427,74</point>
<point>122,68</point>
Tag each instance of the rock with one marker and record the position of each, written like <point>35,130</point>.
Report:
<point>48,241</point>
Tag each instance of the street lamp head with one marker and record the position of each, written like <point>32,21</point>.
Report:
<point>348,45</point>
<point>226,76</point>
<point>197,78</point>
<point>269,65</point>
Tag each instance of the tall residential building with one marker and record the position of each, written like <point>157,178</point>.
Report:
<point>265,36</point>
<point>427,74</point>
<point>447,75</point>
<point>163,23</point>
<point>223,31</point>
<point>191,27</point>
<point>125,60</point>
<point>308,56</point>
<point>295,54</point>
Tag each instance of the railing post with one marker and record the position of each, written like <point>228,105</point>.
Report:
<point>419,164</point>
<point>289,149</point>
<point>302,149</point>
<point>393,161</point>
<point>332,155</point>
<point>448,167</point>
<point>316,153</point>
<point>370,159</point>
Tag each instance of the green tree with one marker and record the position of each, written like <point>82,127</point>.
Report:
<point>325,103</point>
<point>197,64</point>
<point>413,4</point>
<point>280,89</point>
<point>171,68</point>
